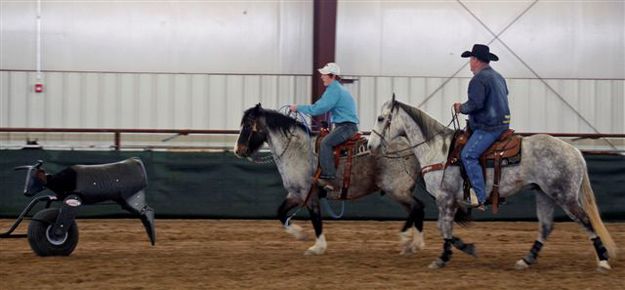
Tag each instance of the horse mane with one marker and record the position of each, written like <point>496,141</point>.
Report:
<point>429,126</point>
<point>276,121</point>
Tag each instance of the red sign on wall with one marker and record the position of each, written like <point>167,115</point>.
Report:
<point>38,88</point>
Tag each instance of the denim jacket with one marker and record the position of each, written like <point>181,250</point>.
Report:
<point>487,106</point>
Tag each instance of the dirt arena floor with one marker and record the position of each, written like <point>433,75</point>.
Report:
<point>242,254</point>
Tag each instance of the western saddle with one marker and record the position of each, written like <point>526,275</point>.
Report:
<point>354,145</point>
<point>506,151</point>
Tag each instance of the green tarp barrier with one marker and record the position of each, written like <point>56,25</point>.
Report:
<point>218,185</point>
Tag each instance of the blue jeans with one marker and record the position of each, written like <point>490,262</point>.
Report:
<point>340,134</point>
<point>479,141</point>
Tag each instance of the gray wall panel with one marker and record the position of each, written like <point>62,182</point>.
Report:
<point>557,39</point>
<point>160,36</point>
<point>535,107</point>
<point>206,62</point>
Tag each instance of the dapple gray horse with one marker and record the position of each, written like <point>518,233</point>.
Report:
<point>292,148</point>
<point>554,168</point>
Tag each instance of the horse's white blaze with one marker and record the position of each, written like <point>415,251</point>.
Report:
<point>521,265</point>
<point>319,248</point>
<point>236,144</point>
<point>235,148</point>
<point>296,231</point>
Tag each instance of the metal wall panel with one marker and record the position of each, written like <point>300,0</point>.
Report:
<point>247,52</point>
<point>555,39</point>
<point>159,36</point>
<point>204,101</point>
<point>147,101</point>
<point>535,107</point>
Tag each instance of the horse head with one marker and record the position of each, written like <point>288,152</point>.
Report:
<point>253,132</point>
<point>386,127</point>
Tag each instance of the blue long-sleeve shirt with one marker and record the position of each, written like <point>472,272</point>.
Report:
<point>336,100</point>
<point>487,106</point>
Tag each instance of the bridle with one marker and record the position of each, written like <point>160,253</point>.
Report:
<point>268,158</point>
<point>395,154</point>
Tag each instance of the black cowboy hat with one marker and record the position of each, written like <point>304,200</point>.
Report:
<point>481,52</point>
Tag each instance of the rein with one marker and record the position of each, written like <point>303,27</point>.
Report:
<point>394,154</point>
<point>269,158</point>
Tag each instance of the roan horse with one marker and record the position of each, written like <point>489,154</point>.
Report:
<point>291,146</point>
<point>554,168</point>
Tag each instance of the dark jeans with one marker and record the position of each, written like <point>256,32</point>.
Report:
<point>340,134</point>
<point>479,141</point>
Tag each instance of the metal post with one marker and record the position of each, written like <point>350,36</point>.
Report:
<point>324,41</point>
<point>38,20</point>
<point>118,140</point>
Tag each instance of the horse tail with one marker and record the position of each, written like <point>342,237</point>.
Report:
<point>590,206</point>
<point>463,217</point>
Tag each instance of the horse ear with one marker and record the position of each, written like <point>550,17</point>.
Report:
<point>258,108</point>
<point>393,102</point>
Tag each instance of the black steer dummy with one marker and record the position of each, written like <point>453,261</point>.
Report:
<point>123,182</point>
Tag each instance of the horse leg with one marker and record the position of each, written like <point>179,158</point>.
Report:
<point>574,210</point>
<point>288,204</point>
<point>544,212</point>
<point>446,211</point>
<point>315,216</point>
<point>412,240</point>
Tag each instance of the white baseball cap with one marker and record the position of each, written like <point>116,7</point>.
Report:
<point>330,68</point>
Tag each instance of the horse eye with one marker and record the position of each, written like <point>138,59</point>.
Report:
<point>380,119</point>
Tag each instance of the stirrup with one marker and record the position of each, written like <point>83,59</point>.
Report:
<point>473,202</point>
<point>325,185</point>
<point>468,204</point>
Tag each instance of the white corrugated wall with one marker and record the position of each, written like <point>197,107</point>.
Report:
<point>585,105</point>
<point>198,65</point>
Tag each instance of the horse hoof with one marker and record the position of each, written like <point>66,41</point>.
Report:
<point>470,250</point>
<point>521,265</point>
<point>407,251</point>
<point>603,266</point>
<point>301,236</point>
<point>418,245</point>
<point>314,252</point>
<point>437,264</point>
<point>297,232</point>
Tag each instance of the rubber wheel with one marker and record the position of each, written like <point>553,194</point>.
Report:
<point>39,235</point>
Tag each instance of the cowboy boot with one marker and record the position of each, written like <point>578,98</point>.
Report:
<point>473,201</point>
